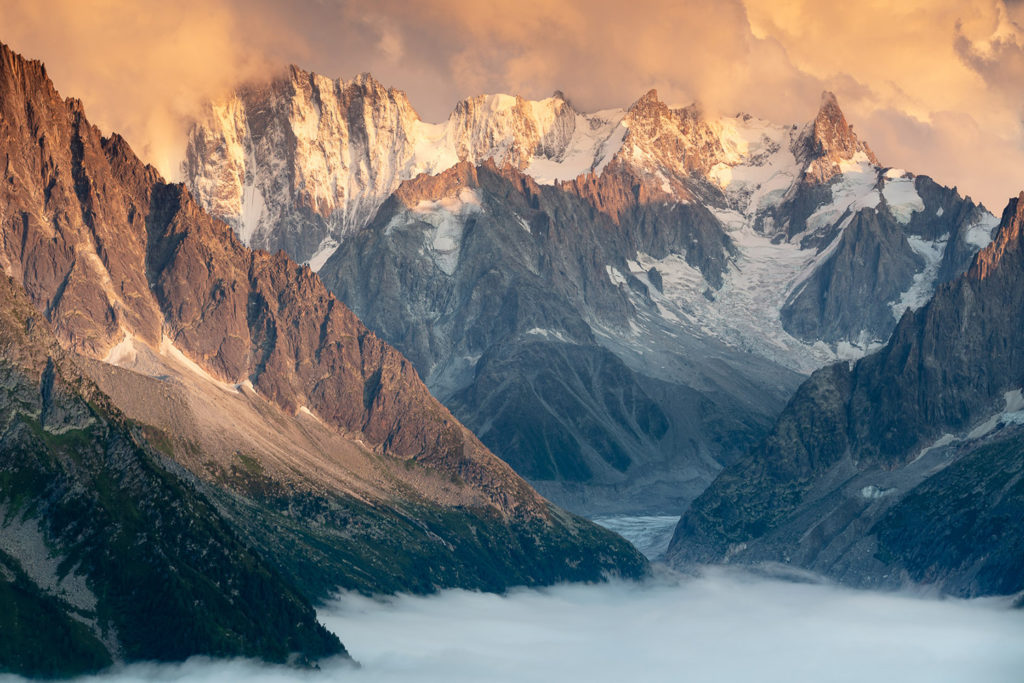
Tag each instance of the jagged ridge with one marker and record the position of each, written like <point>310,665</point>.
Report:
<point>842,483</point>
<point>716,258</point>
<point>124,266</point>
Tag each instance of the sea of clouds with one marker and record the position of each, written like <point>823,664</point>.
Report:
<point>722,626</point>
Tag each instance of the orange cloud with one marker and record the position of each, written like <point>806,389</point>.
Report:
<point>141,68</point>
<point>933,85</point>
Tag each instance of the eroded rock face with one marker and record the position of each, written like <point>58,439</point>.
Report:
<point>828,142</point>
<point>120,263</point>
<point>500,291</point>
<point>511,130</point>
<point>723,257</point>
<point>301,162</point>
<point>854,455</point>
<point>100,533</point>
<point>108,258</point>
<point>261,163</point>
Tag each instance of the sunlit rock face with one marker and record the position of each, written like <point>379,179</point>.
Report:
<point>530,259</point>
<point>301,162</point>
<point>178,392</point>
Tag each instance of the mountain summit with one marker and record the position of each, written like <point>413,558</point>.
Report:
<point>829,142</point>
<point>186,397</point>
<point>599,296</point>
<point>905,466</point>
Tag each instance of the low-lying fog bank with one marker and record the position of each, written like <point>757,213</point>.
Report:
<point>724,626</point>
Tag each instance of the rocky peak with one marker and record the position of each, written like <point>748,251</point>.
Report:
<point>107,251</point>
<point>647,101</point>
<point>1006,239</point>
<point>828,141</point>
<point>510,129</point>
<point>14,68</point>
<point>433,188</point>
<point>681,142</point>
<point>913,411</point>
<point>646,115</point>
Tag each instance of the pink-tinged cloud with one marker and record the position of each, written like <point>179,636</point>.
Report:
<point>933,85</point>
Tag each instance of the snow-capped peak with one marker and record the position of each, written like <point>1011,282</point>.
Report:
<point>303,162</point>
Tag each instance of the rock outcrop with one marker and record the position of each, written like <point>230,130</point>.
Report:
<point>828,142</point>
<point>850,480</point>
<point>216,351</point>
<point>713,258</point>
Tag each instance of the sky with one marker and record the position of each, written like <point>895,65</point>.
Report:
<point>932,85</point>
<point>722,627</point>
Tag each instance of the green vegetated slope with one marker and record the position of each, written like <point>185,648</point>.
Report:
<point>129,560</point>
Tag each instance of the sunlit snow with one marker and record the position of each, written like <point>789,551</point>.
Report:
<point>901,195</point>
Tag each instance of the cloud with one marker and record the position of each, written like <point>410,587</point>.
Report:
<point>143,67</point>
<point>933,85</point>
<point>726,627</point>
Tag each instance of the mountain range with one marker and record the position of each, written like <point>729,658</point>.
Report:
<point>212,414</point>
<point>199,440</point>
<point>902,467</point>
<point>619,303</point>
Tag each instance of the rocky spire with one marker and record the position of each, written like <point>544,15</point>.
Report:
<point>680,140</point>
<point>1007,238</point>
<point>828,141</point>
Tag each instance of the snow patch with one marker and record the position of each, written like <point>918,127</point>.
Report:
<point>1012,413</point>
<point>942,441</point>
<point>615,275</point>
<point>253,209</point>
<point>542,332</point>
<point>758,167</point>
<point>595,139</point>
<point>447,217</point>
<point>901,197</point>
<point>327,247</point>
<point>432,149</point>
<point>872,492</point>
<point>979,231</point>
<point>923,284</point>
<point>854,189</point>
<point>744,312</point>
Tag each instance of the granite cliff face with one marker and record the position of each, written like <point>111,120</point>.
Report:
<point>904,465</point>
<point>107,552</point>
<point>312,437</point>
<point>301,162</point>
<point>828,142</point>
<point>507,319</point>
<point>701,261</point>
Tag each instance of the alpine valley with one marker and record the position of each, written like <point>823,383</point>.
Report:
<point>617,303</point>
<point>198,441</point>
<point>355,353</point>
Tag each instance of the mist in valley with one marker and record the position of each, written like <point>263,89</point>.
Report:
<point>725,625</point>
